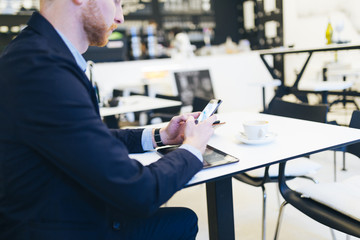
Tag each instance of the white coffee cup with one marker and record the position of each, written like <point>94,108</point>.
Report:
<point>256,130</point>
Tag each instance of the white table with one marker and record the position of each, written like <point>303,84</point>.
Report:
<point>137,104</point>
<point>295,138</point>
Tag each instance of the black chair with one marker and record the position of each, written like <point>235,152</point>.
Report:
<point>165,114</point>
<point>281,108</point>
<point>113,120</point>
<point>260,177</point>
<point>194,83</point>
<point>304,111</point>
<point>137,114</point>
<point>313,201</point>
<point>344,100</point>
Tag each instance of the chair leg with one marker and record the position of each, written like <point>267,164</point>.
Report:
<point>344,166</point>
<point>279,219</point>
<point>264,213</point>
<point>334,166</point>
<point>332,234</point>
<point>310,178</point>
<point>334,237</point>
<point>356,105</point>
<point>279,200</point>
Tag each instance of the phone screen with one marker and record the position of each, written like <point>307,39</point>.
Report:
<point>209,110</point>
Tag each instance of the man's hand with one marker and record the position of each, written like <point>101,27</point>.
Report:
<point>173,133</point>
<point>198,135</point>
<point>183,129</point>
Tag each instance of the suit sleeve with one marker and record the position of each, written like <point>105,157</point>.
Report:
<point>56,118</point>
<point>130,137</point>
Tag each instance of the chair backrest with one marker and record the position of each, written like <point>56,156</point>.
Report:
<point>193,83</point>
<point>354,123</point>
<point>169,110</point>
<point>304,111</point>
<point>118,93</point>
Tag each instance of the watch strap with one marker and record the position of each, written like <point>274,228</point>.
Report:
<point>157,137</point>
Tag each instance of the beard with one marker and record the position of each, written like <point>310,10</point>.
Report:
<point>95,28</point>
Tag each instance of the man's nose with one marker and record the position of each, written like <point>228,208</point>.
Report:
<point>119,16</point>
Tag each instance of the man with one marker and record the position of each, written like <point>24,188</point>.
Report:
<point>63,174</point>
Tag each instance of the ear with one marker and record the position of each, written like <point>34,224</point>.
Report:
<point>78,2</point>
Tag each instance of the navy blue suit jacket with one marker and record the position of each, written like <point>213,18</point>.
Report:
<point>63,174</point>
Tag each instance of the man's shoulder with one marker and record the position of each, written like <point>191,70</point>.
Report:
<point>32,47</point>
<point>26,42</point>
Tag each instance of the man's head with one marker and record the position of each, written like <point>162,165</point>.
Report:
<point>84,22</point>
<point>98,25</point>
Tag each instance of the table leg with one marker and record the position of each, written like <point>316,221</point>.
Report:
<point>220,209</point>
<point>264,99</point>
<point>324,97</point>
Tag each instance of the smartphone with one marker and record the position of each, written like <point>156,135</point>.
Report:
<point>209,110</point>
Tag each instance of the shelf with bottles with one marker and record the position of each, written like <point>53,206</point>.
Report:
<point>186,7</point>
<point>18,7</point>
<point>185,15</point>
<point>137,32</point>
<point>188,14</point>
<point>133,8</point>
<point>10,26</point>
<point>13,20</point>
<point>144,40</point>
<point>188,23</point>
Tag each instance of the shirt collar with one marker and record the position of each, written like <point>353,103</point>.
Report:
<point>78,57</point>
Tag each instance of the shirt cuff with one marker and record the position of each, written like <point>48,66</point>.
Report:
<point>146,139</point>
<point>193,150</point>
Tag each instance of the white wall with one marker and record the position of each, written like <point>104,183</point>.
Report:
<point>234,77</point>
<point>305,21</point>
<point>305,25</point>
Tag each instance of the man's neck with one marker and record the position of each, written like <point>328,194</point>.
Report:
<point>67,19</point>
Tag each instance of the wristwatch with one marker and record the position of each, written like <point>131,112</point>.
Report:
<point>157,137</point>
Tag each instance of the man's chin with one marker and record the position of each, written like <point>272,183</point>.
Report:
<point>100,44</point>
<point>103,44</point>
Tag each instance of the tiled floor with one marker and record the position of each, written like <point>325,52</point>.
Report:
<point>248,200</point>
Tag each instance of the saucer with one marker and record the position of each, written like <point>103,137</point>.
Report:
<point>268,138</point>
